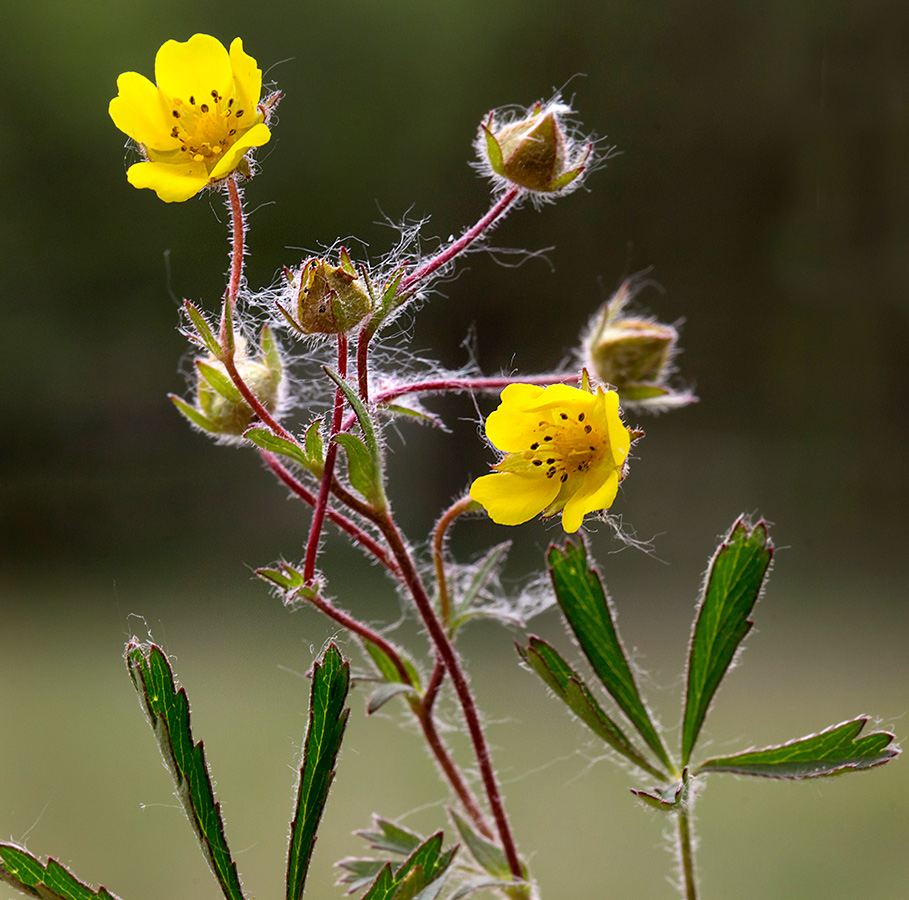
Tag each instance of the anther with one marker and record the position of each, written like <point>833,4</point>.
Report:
<point>204,107</point>
<point>175,113</point>
<point>580,417</point>
<point>548,437</point>
<point>549,462</point>
<point>564,477</point>
<point>588,429</point>
<point>192,101</point>
<point>538,462</point>
<point>563,415</point>
<point>535,446</point>
<point>239,113</point>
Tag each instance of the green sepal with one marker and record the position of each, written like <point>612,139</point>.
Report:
<point>833,751</point>
<point>50,881</point>
<point>327,721</point>
<point>364,419</point>
<point>634,393</point>
<point>206,337</point>
<point>193,415</point>
<point>362,469</point>
<point>271,355</point>
<point>289,579</point>
<point>418,415</point>
<point>167,711</point>
<point>734,582</point>
<point>587,608</point>
<point>493,151</point>
<point>570,688</point>
<point>219,382</point>
<point>489,856</point>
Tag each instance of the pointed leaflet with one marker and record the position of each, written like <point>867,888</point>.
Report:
<point>28,874</point>
<point>568,686</point>
<point>587,609</point>
<point>734,582</point>
<point>167,710</point>
<point>417,877</point>
<point>830,752</point>
<point>327,719</point>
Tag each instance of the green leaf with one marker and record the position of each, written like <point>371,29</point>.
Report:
<point>568,686</point>
<point>413,878</point>
<point>587,608</point>
<point>203,329</point>
<point>26,873</point>
<point>359,872</point>
<point>490,857</point>
<point>391,838</point>
<point>327,720</point>
<point>193,414</point>
<point>833,751</point>
<point>665,799</point>
<point>362,468</point>
<point>387,668</point>
<point>733,584</point>
<point>312,442</point>
<point>167,710</point>
<point>219,382</point>
<point>265,439</point>
<point>271,355</point>
<point>385,692</point>
<point>488,566</point>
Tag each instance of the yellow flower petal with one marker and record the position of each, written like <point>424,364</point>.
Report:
<point>255,137</point>
<point>139,111</point>
<point>507,427</point>
<point>587,499</point>
<point>247,76</point>
<point>173,183</point>
<point>511,498</point>
<point>191,70</point>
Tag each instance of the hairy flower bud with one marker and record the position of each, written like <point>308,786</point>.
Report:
<point>329,299</point>
<point>534,151</point>
<point>632,353</point>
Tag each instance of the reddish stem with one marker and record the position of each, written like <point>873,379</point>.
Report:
<point>238,238</point>
<point>318,516</point>
<point>346,525</point>
<point>449,657</point>
<point>446,254</point>
<point>438,555</point>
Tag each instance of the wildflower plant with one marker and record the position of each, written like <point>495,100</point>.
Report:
<point>307,393</point>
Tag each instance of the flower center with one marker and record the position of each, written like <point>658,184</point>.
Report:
<point>206,126</point>
<point>566,447</point>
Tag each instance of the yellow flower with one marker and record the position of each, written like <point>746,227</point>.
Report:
<point>565,450</point>
<point>197,124</point>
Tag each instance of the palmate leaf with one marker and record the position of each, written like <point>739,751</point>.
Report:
<point>833,751</point>
<point>734,581</point>
<point>586,606</point>
<point>50,881</point>
<point>167,710</point>
<point>569,687</point>
<point>327,720</point>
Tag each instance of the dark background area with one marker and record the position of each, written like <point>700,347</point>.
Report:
<point>761,181</point>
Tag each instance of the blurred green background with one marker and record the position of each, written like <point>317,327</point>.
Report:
<point>763,176</point>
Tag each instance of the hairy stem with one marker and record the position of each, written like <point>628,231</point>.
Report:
<point>449,657</point>
<point>438,556</point>
<point>237,242</point>
<point>331,454</point>
<point>686,854</point>
<point>455,248</point>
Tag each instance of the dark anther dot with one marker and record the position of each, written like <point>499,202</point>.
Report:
<point>232,131</point>
<point>580,467</point>
<point>192,101</point>
<point>580,417</point>
<point>175,113</point>
<point>204,107</point>
<point>538,462</point>
<point>230,103</point>
<point>174,133</point>
<point>216,96</point>
<point>564,477</point>
<point>549,462</point>
<point>592,448</point>
<point>239,113</point>
<point>548,437</point>
<point>588,429</point>
<point>550,472</point>
<point>563,415</point>
<point>534,446</point>
<point>183,147</point>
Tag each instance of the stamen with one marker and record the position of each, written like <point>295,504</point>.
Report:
<point>564,477</point>
<point>580,417</point>
<point>204,107</point>
<point>588,429</point>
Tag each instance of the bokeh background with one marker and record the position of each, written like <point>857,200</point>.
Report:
<point>762,184</point>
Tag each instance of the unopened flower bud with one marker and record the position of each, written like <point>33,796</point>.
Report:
<point>220,407</point>
<point>631,353</point>
<point>534,151</point>
<point>329,299</point>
